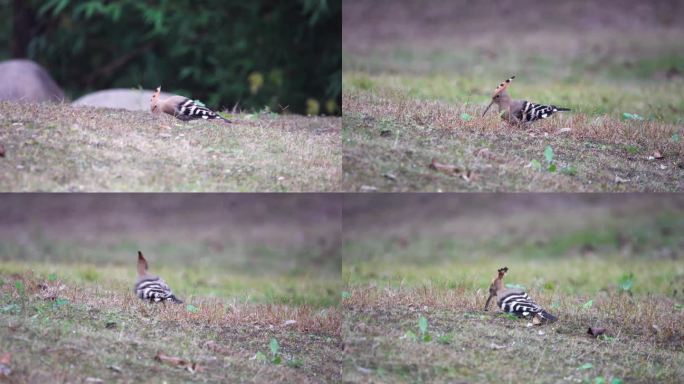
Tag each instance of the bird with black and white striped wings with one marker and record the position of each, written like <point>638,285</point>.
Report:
<point>150,287</point>
<point>182,108</point>
<point>519,111</point>
<point>516,301</point>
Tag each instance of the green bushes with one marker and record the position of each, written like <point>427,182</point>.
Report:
<point>280,55</point>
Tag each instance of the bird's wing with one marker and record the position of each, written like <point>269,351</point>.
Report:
<point>518,302</point>
<point>186,109</point>
<point>532,111</point>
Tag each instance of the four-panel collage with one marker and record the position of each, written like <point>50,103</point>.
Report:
<point>341,191</point>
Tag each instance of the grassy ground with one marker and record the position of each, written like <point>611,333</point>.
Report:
<point>59,331</point>
<point>613,265</point>
<point>65,149</point>
<point>249,267</point>
<point>416,81</point>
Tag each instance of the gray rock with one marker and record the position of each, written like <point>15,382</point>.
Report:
<point>130,99</point>
<point>26,81</point>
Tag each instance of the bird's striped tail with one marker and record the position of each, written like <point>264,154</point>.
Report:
<point>547,316</point>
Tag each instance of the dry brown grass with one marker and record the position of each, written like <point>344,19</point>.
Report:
<point>53,147</point>
<point>499,156</point>
<point>645,339</point>
<point>395,106</point>
<point>649,318</point>
<point>209,311</point>
<point>88,331</point>
<point>411,70</point>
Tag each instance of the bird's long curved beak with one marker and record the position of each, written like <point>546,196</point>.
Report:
<point>487,109</point>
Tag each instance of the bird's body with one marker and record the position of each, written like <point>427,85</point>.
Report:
<point>519,111</point>
<point>150,287</point>
<point>182,108</point>
<point>516,301</point>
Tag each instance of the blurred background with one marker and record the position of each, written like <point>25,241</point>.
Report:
<point>284,56</point>
<point>595,57</point>
<point>278,248</point>
<point>573,243</point>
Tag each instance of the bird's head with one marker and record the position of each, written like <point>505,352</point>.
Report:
<point>142,264</point>
<point>500,97</point>
<point>502,272</point>
<point>496,286</point>
<point>154,101</point>
<point>497,283</point>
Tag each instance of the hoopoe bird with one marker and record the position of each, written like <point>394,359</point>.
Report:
<point>182,108</point>
<point>152,288</point>
<point>516,301</point>
<point>519,111</point>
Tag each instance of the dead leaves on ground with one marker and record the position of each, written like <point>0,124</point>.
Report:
<point>5,360</point>
<point>451,170</point>
<point>188,365</point>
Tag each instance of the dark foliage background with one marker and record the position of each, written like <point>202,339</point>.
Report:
<point>256,54</point>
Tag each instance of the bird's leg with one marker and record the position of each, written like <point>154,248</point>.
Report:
<point>488,300</point>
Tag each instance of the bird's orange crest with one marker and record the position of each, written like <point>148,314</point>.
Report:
<point>501,87</point>
<point>142,264</point>
<point>155,99</point>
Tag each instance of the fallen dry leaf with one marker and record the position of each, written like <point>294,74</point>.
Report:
<point>170,359</point>
<point>5,360</point>
<point>657,155</point>
<point>596,331</point>
<point>620,180</point>
<point>289,322</point>
<point>190,366</point>
<point>449,169</point>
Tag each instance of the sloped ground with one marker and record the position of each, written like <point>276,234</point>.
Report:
<point>60,148</point>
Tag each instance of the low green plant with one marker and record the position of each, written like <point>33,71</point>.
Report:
<point>19,285</point>
<point>446,338</point>
<point>295,363</point>
<point>548,155</point>
<point>423,327</point>
<point>626,282</point>
<point>275,351</point>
